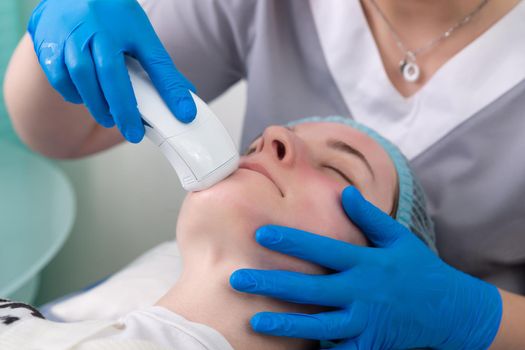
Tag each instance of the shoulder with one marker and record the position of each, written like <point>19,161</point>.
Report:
<point>203,7</point>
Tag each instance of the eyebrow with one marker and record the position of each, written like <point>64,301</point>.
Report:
<point>344,147</point>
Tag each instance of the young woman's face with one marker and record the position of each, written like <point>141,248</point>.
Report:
<point>294,177</point>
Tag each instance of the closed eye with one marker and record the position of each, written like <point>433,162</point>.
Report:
<point>340,173</point>
<point>250,150</point>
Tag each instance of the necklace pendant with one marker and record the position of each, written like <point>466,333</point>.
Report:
<point>410,70</point>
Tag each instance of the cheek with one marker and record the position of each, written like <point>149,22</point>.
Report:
<point>240,198</point>
<point>319,210</point>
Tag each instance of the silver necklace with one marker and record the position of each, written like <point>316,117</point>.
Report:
<point>408,65</point>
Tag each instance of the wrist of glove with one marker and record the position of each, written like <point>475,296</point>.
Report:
<point>396,295</point>
<point>475,316</point>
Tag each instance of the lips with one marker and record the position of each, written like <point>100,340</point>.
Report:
<point>261,170</point>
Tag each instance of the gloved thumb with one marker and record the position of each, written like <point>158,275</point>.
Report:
<point>376,225</point>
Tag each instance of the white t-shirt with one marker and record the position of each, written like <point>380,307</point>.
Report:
<point>170,330</point>
<point>152,328</point>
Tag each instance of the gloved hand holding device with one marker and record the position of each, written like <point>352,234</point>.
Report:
<point>396,295</point>
<point>81,46</point>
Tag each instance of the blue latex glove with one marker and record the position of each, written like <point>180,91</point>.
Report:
<point>81,45</point>
<point>397,295</point>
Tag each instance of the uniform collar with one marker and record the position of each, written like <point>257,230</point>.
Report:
<point>471,80</point>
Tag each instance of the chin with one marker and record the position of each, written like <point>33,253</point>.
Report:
<point>239,198</point>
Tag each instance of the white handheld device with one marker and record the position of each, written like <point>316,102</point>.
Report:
<point>201,152</point>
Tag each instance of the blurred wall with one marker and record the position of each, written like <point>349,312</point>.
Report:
<point>127,202</point>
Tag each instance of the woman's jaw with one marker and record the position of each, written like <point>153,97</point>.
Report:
<point>292,177</point>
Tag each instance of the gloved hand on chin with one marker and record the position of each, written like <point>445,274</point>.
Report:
<point>396,295</point>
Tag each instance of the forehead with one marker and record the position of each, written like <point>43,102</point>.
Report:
<point>327,130</point>
<point>322,131</point>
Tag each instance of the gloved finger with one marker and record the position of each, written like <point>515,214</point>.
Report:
<point>328,252</point>
<point>171,84</point>
<point>290,286</point>
<point>380,228</point>
<point>339,324</point>
<point>116,85</point>
<point>51,60</point>
<point>78,59</point>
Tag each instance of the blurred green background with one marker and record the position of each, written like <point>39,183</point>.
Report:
<point>13,19</point>
<point>37,202</point>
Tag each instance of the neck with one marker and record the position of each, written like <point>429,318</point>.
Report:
<point>417,22</point>
<point>203,295</point>
<point>429,12</point>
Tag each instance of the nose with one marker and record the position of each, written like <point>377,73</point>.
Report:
<point>278,141</point>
